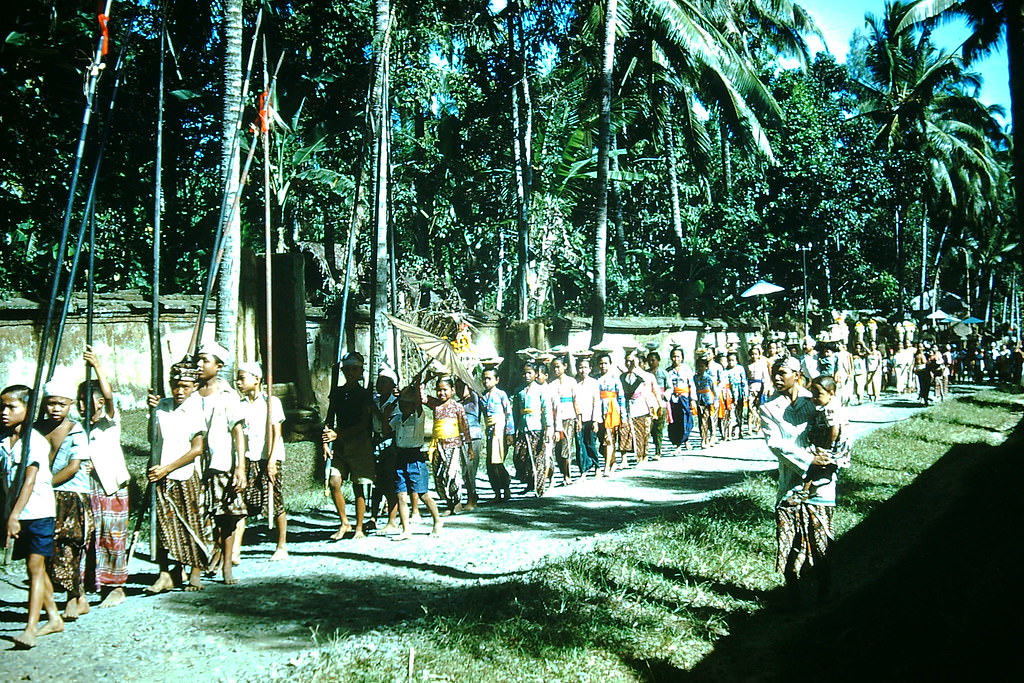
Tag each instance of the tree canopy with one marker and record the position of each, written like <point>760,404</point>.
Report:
<point>721,155</point>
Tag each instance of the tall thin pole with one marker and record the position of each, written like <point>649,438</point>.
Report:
<point>803,249</point>
<point>156,365</point>
<point>268,272</point>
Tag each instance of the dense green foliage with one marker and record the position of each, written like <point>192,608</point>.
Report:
<point>829,169</point>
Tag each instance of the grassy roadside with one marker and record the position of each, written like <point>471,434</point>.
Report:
<point>656,599</point>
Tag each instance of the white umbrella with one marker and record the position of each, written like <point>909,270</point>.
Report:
<point>761,287</point>
<point>939,314</point>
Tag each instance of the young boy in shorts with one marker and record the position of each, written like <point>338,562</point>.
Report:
<point>412,473</point>
<point>30,523</point>
<point>349,428</point>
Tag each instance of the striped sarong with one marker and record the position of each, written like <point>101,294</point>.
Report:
<point>110,519</point>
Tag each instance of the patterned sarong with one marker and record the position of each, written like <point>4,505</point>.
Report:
<point>448,471</point>
<point>223,499</point>
<point>802,533</point>
<point>184,526</point>
<point>641,434</point>
<point>258,488</point>
<point>530,460</point>
<point>565,446</point>
<point>110,518</point>
<point>71,530</point>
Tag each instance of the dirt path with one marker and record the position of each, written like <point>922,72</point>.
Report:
<point>280,609</point>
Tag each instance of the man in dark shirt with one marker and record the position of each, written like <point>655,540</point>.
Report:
<point>349,428</point>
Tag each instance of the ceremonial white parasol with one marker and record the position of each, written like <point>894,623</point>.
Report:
<point>761,287</point>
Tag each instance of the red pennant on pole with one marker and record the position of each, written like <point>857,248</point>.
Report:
<point>263,115</point>
<point>102,18</point>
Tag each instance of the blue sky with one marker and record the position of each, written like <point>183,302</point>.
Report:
<point>839,18</point>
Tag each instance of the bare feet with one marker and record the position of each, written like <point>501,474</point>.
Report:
<point>404,536</point>
<point>359,533</point>
<point>279,554</point>
<point>54,625</point>
<point>390,528</point>
<point>436,531</point>
<point>341,532</point>
<point>469,507</point>
<point>415,519</point>
<point>195,581</point>
<point>71,610</point>
<point>114,598</point>
<point>163,583</point>
<point>25,640</point>
<point>228,582</point>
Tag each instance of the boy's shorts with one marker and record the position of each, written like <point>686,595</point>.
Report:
<point>36,538</point>
<point>353,457</point>
<point>412,474</point>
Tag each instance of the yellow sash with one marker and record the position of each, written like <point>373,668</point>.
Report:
<point>611,418</point>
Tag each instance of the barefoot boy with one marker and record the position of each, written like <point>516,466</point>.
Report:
<point>184,529</point>
<point>110,478</point>
<point>30,523</point>
<point>225,446</point>
<point>412,475</point>
<point>263,458</point>
<point>70,468</point>
<point>349,428</point>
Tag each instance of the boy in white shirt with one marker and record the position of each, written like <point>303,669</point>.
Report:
<point>110,479</point>
<point>184,528</point>
<point>30,523</point>
<point>263,459</point>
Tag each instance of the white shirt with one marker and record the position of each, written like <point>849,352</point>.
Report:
<point>785,425</point>
<point>564,390</point>
<point>254,424</point>
<point>588,400</point>
<point>108,465</point>
<point>409,431</point>
<point>41,503</point>
<point>175,428</point>
<point>75,446</point>
<point>222,412</point>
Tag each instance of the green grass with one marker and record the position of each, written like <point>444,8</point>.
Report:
<point>654,598</point>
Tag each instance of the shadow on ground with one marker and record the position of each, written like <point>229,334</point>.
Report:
<point>928,585</point>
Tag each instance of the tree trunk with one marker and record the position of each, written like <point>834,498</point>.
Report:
<point>615,207</point>
<point>381,120</point>
<point>900,304</point>
<point>726,161</point>
<point>603,147</point>
<point>227,283</point>
<point>1015,56</point>
<point>522,120</point>
<point>924,256</point>
<point>669,138</point>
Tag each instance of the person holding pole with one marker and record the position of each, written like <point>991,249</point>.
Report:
<point>110,479</point>
<point>264,457</point>
<point>349,428</point>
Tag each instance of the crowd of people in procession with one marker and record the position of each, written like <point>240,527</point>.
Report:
<point>218,451</point>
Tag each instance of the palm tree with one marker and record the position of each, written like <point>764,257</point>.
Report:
<point>924,104</point>
<point>692,47</point>
<point>992,22</point>
<point>227,286</point>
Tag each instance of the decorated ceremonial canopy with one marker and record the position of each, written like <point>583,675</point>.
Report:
<point>438,349</point>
